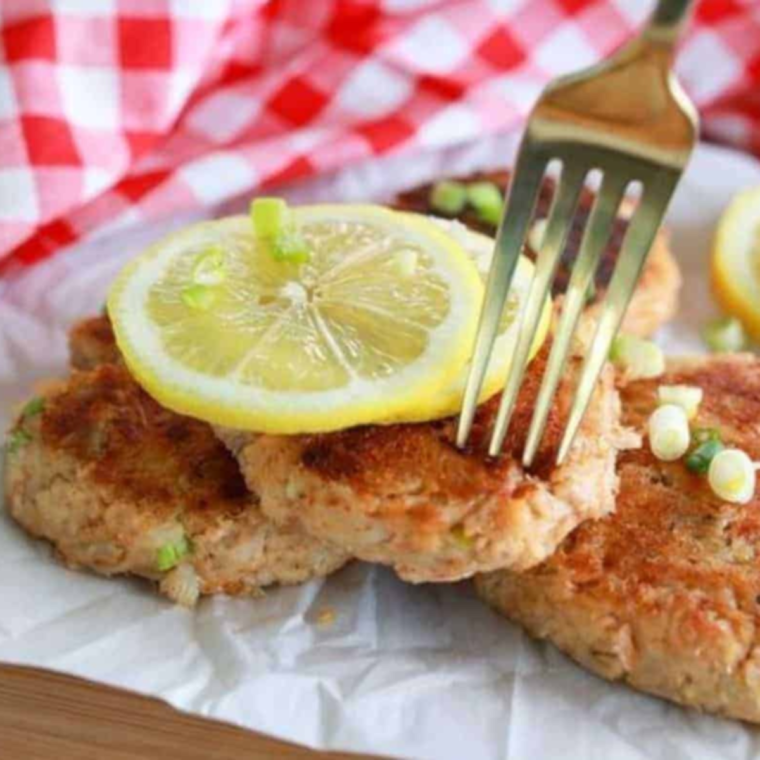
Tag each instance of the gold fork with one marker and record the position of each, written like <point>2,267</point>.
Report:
<point>628,119</point>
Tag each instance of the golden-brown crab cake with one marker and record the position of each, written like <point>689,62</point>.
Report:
<point>405,496</point>
<point>655,299</point>
<point>664,594</point>
<point>92,343</point>
<point>120,485</point>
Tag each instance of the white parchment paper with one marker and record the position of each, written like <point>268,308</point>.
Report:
<point>414,672</point>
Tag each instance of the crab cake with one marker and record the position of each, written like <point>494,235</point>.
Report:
<point>120,485</point>
<point>664,594</point>
<point>655,299</point>
<point>92,343</point>
<point>405,496</point>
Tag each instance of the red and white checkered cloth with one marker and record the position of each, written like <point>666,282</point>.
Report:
<point>116,111</point>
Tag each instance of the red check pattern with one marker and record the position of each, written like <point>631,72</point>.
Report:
<point>117,111</point>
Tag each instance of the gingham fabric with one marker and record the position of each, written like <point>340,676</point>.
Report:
<point>113,112</point>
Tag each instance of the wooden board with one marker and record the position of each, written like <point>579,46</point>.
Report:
<point>45,716</point>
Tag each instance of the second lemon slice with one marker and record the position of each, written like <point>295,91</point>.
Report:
<point>736,260</point>
<point>379,319</point>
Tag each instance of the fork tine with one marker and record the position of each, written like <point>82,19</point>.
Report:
<point>518,211</point>
<point>638,241</point>
<point>558,226</point>
<point>595,238</point>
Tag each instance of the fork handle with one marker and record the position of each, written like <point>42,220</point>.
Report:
<point>668,20</point>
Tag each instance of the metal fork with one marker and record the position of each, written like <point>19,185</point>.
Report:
<point>628,119</point>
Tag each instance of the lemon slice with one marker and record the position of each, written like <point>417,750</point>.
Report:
<point>480,250</point>
<point>380,317</point>
<point>736,260</point>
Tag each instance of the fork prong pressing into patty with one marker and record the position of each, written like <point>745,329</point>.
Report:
<point>404,495</point>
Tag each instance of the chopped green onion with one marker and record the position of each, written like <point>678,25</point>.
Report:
<point>181,585</point>
<point>701,456</point>
<point>536,234</point>
<point>290,247</point>
<point>702,435</point>
<point>707,443</point>
<point>209,267</point>
<point>17,439</point>
<point>166,558</point>
<point>33,407</point>
<point>170,555</point>
<point>405,262</point>
<point>460,537</point>
<point>275,225</point>
<point>487,200</point>
<point>688,397</point>
<point>270,217</point>
<point>725,335</point>
<point>732,476</point>
<point>198,297</point>
<point>591,293</point>
<point>640,358</point>
<point>448,197</point>
<point>669,436</point>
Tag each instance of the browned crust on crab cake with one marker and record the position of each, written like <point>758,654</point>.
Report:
<point>92,342</point>
<point>655,299</point>
<point>108,477</point>
<point>405,496</point>
<point>664,594</point>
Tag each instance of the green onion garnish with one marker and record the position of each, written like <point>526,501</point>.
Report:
<point>209,267</point>
<point>198,297</point>
<point>640,358</point>
<point>725,335</point>
<point>17,439</point>
<point>460,537</point>
<point>33,407</point>
<point>703,435</point>
<point>290,247</point>
<point>732,476</point>
<point>270,217</point>
<point>699,458</point>
<point>688,397</point>
<point>448,197</point>
<point>170,555</point>
<point>275,225</point>
<point>486,199</point>
<point>405,262</point>
<point>668,430</point>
